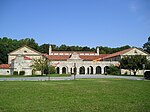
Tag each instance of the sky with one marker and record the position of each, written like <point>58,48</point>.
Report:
<point>92,23</point>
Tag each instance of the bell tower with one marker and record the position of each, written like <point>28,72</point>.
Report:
<point>50,49</point>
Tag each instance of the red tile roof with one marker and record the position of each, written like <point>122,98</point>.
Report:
<point>91,58</point>
<point>65,57</point>
<point>4,66</point>
<point>58,57</point>
<point>117,53</point>
<point>85,57</point>
<point>73,52</point>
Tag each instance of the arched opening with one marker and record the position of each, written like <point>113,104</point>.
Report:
<point>57,70</point>
<point>82,70</point>
<point>88,71</point>
<point>106,68</point>
<point>98,70</point>
<point>64,70</point>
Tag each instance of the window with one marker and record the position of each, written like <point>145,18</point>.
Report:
<point>7,71</point>
<point>25,51</point>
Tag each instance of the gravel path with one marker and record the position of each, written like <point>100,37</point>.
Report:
<point>68,78</point>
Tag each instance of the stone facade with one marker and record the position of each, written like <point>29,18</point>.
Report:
<point>67,62</point>
<point>20,63</point>
<point>5,71</point>
<point>24,51</point>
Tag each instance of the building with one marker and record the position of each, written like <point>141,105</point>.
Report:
<point>67,62</point>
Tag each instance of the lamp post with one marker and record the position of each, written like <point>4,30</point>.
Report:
<point>49,64</point>
<point>143,68</point>
<point>74,70</point>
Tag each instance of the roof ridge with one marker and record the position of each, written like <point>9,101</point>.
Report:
<point>26,47</point>
<point>118,53</point>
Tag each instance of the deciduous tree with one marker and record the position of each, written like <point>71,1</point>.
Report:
<point>133,63</point>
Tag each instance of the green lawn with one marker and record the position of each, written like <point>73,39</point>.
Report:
<point>84,95</point>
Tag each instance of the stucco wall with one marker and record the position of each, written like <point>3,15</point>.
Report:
<point>4,71</point>
<point>139,72</point>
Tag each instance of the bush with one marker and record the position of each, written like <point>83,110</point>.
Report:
<point>15,73</point>
<point>113,70</point>
<point>52,70</point>
<point>21,72</point>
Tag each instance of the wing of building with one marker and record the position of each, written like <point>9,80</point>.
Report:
<point>66,62</point>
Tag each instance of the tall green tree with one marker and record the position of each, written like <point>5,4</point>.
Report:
<point>29,42</point>
<point>146,46</point>
<point>133,63</point>
<point>44,48</point>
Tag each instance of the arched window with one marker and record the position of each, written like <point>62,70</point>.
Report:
<point>57,70</point>
<point>88,71</point>
<point>91,70</point>
<point>106,68</point>
<point>98,70</point>
<point>82,70</point>
<point>64,70</point>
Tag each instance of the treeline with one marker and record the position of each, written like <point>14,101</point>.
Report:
<point>7,45</point>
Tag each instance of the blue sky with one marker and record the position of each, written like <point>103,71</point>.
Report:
<point>90,23</point>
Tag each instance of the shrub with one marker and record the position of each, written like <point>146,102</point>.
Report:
<point>15,73</point>
<point>52,70</point>
<point>21,72</point>
<point>113,70</point>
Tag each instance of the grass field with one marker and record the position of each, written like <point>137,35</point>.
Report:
<point>84,95</point>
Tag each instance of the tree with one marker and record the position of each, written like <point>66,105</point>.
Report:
<point>44,48</point>
<point>41,64</point>
<point>133,63</point>
<point>29,42</point>
<point>146,46</point>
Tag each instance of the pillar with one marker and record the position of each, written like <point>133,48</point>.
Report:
<point>102,70</point>
<point>94,70</point>
<point>78,71</point>
<point>60,70</point>
<point>85,70</point>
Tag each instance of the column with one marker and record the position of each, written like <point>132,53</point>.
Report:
<point>102,70</point>
<point>85,70</point>
<point>60,70</point>
<point>94,70</point>
<point>69,71</point>
<point>77,71</point>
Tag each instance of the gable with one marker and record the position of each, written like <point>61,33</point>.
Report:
<point>135,51</point>
<point>25,50</point>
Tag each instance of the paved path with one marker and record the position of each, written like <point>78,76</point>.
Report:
<point>35,78</point>
<point>68,78</point>
<point>110,76</point>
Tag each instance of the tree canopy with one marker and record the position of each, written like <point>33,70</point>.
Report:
<point>146,46</point>
<point>7,45</point>
<point>134,63</point>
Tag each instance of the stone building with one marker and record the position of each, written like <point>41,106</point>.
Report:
<point>67,62</point>
<point>20,60</point>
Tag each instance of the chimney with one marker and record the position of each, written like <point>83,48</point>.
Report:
<point>97,50</point>
<point>50,50</point>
